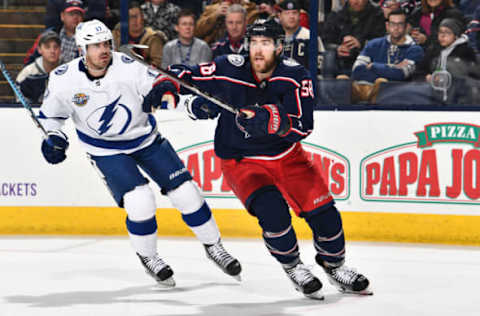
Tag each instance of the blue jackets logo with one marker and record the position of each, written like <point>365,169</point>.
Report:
<point>80,99</point>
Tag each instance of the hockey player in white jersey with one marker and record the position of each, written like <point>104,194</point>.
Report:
<point>102,91</point>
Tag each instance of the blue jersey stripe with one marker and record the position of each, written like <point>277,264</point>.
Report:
<point>118,144</point>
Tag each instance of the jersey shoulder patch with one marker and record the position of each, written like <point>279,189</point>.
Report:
<point>290,62</point>
<point>60,70</point>
<point>236,60</point>
<point>127,59</point>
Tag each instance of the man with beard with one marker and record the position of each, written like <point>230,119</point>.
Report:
<point>261,155</point>
<point>102,92</point>
<point>392,57</point>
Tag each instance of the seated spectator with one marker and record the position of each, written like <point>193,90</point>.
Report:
<point>424,21</point>
<point>389,6</point>
<point>468,7</point>
<point>233,42</point>
<point>71,16</point>
<point>139,34</point>
<point>33,78</point>
<point>393,57</point>
<point>211,24</point>
<point>266,9</point>
<point>348,30</point>
<point>186,49</point>
<point>196,6</point>
<point>297,38</point>
<point>95,9</point>
<point>452,54</point>
<point>161,15</point>
<point>407,6</point>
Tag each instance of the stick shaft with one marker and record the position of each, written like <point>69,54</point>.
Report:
<point>22,99</point>
<point>127,50</point>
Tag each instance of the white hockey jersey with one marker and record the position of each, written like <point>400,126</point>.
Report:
<point>107,112</point>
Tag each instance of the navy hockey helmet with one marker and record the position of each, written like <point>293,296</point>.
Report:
<point>267,28</point>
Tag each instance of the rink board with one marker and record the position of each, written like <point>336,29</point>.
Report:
<point>396,176</point>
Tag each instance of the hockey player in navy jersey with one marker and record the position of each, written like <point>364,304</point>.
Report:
<point>261,154</point>
<point>102,92</point>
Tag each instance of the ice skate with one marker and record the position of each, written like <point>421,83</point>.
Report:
<point>158,269</point>
<point>304,281</point>
<point>345,279</point>
<point>224,260</point>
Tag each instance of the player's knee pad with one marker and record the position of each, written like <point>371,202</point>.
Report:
<point>140,203</point>
<point>186,197</point>
<point>328,236</point>
<point>274,217</point>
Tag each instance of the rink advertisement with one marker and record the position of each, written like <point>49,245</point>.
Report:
<point>396,176</point>
<point>205,168</point>
<point>442,166</point>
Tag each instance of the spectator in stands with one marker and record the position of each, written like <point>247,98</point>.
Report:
<point>95,9</point>
<point>33,78</point>
<point>112,13</point>
<point>71,16</point>
<point>408,6</point>
<point>389,6</point>
<point>161,15</point>
<point>392,57</point>
<point>196,6</point>
<point>266,9</point>
<point>297,38</point>
<point>452,53</point>
<point>233,42</point>
<point>186,49</point>
<point>424,21</point>
<point>139,34</point>
<point>468,7</point>
<point>348,30</point>
<point>211,24</point>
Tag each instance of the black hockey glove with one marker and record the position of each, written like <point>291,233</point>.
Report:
<point>161,88</point>
<point>54,148</point>
<point>200,108</point>
<point>268,119</point>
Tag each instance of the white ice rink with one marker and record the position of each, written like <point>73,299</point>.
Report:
<point>102,276</point>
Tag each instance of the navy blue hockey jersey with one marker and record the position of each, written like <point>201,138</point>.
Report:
<point>231,79</point>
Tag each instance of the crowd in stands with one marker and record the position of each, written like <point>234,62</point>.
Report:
<point>366,42</point>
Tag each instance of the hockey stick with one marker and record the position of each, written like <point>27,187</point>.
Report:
<point>22,99</point>
<point>127,49</point>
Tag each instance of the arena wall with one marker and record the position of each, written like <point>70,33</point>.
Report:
<point>397,176</point>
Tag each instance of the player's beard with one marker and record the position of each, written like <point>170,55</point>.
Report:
<point>101,63</point>
<point>268,65</point>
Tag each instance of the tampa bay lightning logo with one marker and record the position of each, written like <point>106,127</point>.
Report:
<point>109,120</point>
<point>152,73</point>
<point>127,60</point>
<point>61,70</point>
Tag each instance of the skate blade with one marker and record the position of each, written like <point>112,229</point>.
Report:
<point>167,283</point>
<point>318,295</point>
<point>367,291</point>
<point>237,277</point>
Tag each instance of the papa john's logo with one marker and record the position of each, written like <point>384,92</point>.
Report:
<point>204,165</point>
<point>441,166</point>
<point>112,119</point>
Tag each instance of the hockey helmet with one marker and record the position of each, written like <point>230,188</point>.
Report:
<point>91,32</point>
<point>267,28</point>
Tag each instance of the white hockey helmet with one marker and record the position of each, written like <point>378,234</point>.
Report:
<point>91,32</point>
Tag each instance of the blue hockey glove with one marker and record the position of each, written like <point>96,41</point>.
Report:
<point>200,108</point>
<point>268,119</point>
<point>161,87</point>
<point>54,147</point>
